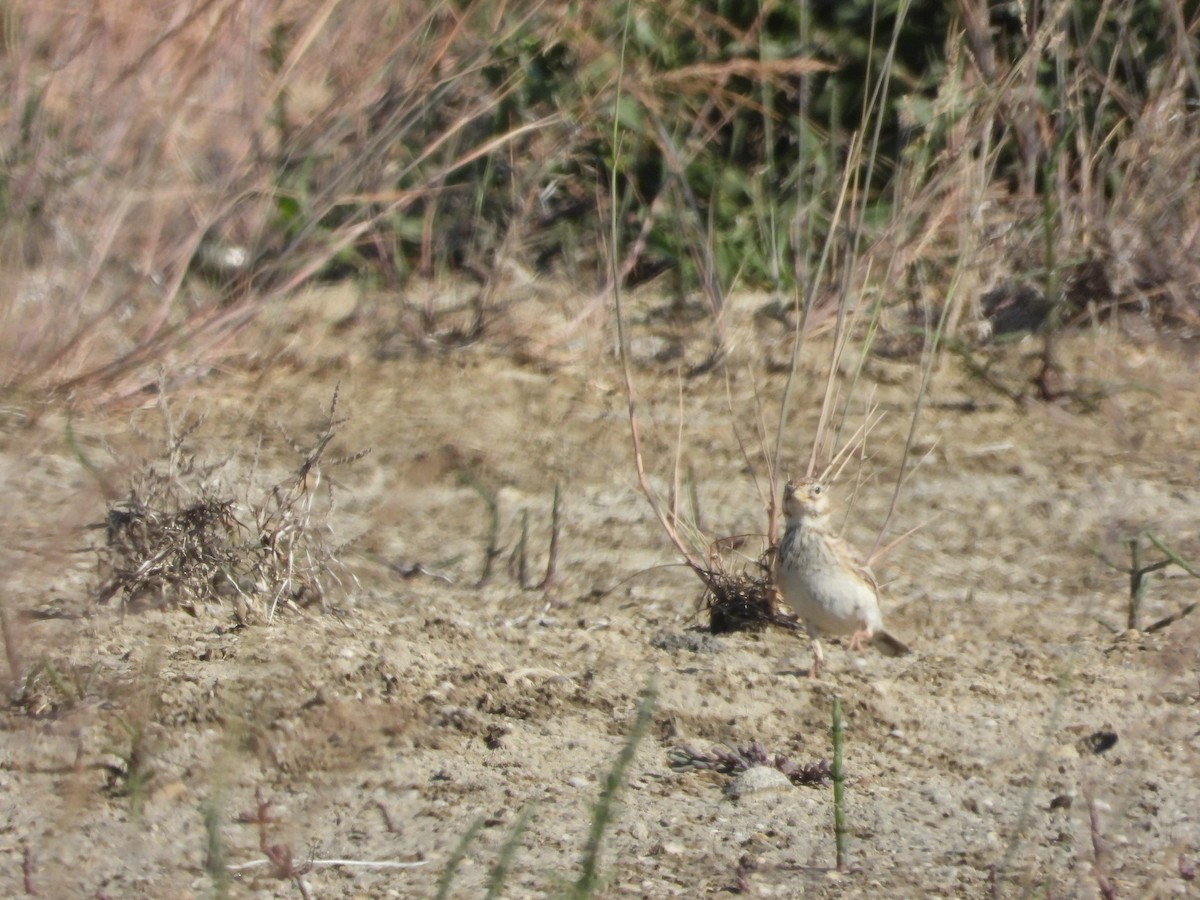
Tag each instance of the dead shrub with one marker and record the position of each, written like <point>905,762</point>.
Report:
<point>187,535</point>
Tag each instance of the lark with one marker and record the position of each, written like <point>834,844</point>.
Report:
<point>820,577</point>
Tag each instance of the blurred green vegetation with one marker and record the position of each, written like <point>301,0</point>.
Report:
<point>738,124</point>
<point>809,148</point>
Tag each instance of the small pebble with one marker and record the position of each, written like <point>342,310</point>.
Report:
<point>759,781</point>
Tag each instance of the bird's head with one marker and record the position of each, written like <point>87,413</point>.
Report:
<point>804,499</point>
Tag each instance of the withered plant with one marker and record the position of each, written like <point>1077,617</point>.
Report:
<point>185,535</point>
<point>744,601</point>
<point>730,760</point>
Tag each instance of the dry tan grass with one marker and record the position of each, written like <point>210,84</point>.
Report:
<point>187,533</point>
<point>147,143</point>
<point>259,147</point>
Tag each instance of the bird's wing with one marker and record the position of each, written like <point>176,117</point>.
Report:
<point>846,552</point>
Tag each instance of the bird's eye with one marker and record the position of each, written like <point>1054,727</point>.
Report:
<point>818,490</point>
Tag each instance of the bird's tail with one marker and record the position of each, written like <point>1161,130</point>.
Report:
<point>888,645</point>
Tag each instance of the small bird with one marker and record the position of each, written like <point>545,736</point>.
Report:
<point>820,578</point>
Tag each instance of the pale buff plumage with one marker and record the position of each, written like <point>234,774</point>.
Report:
<point>819,576</point>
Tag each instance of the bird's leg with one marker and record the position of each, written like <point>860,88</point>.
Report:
<point>818,659</point>
<point>858,640</point>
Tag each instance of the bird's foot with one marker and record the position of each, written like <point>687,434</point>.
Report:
<point>858,640</point>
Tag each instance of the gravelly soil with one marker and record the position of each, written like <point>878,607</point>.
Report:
<point>981,765</point>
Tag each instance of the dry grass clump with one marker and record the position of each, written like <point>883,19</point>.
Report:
<point>743,602</point>
<point>184,536</point>
<point>153,551</point>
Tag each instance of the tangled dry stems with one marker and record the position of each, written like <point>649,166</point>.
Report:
<point>745,601</point>
<point>154,552</point>
<point>180,537</point>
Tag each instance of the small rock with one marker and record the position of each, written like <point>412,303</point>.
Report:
<point>1062,801</point>
<point>758,781</point>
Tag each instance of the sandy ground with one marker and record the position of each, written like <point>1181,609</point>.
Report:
<point>984,764</point>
